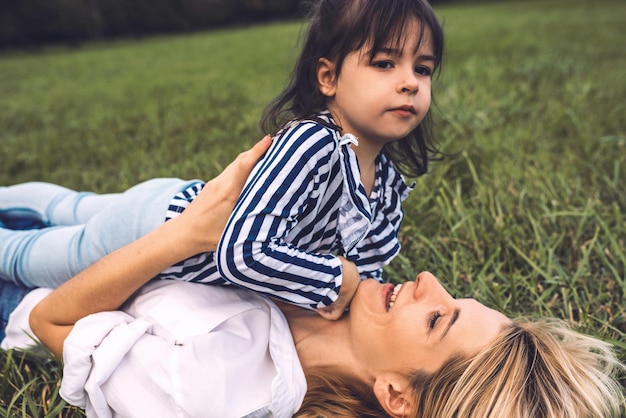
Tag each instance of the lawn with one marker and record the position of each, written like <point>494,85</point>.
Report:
<point>527,212</point>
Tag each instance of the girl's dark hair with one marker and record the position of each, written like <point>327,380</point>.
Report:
<point>339,27</point>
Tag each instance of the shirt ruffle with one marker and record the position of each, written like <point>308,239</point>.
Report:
<point>357,212</point>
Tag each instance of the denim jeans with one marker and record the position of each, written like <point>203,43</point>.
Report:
<point>79,227</point>
<point>10,296</point>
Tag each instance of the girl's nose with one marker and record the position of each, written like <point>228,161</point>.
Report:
<point>409,82</point>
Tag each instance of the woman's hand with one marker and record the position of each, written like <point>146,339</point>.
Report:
<point>108,283</point>
<point>205,218</point>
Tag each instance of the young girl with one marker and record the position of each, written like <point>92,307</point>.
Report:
<point>320,211</point>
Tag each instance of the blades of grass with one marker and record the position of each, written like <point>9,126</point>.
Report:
<point>529,261</point>
<point>20,393</point>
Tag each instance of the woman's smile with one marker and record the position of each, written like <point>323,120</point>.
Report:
<point>391,298</point>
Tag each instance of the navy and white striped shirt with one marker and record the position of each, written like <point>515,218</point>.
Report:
<point>303,205</point>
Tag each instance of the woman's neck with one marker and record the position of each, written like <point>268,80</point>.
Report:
<point>321,343</point>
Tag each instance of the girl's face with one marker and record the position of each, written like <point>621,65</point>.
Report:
<point>385,98</point>
<point>417,326</point>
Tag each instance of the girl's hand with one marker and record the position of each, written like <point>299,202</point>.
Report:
<point>206,216</point>
<point>350,282</point>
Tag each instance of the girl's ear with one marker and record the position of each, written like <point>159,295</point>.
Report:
<point>394,395</point>
<point>326,77</point>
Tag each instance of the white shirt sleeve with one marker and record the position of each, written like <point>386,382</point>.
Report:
<point>92,352</point>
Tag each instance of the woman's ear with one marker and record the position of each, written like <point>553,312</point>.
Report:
<point>394,395</point>
<point>326,77</point>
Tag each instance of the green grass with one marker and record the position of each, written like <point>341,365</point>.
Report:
<point>528,212</point>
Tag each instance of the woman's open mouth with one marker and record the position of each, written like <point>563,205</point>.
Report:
<point>392,296</point>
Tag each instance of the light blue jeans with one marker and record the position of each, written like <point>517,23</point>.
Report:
<point>80,227</point>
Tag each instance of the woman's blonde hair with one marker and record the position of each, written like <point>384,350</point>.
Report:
<point>334,395</point>
<point>539,369</point>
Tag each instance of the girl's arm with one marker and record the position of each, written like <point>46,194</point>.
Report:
<point>350,282</point>
<point>107,284</point>
<point>270,244</point>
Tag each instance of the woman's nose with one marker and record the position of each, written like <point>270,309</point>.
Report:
<point>425,275</point>
<point>426,278</point>
<point>427,284</point>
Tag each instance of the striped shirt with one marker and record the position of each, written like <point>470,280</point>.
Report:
<point>302,206</point>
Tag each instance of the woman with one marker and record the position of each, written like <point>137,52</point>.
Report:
<point>409,350</point>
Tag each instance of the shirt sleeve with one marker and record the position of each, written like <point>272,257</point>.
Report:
<point>92,352</point>
<point>253,252</point>
<point>181,200</point>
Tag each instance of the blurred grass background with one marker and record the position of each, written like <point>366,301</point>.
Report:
<point>527,213</point>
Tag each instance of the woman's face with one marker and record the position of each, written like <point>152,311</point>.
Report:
<point>418,325</point>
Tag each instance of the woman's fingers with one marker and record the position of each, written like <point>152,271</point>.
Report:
<point>237,172</point>
<point>230,182</point>
<point>207,215</point>
<point>248,159</point>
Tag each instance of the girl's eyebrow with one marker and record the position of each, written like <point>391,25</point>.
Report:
<point>396,51</point>
<point>427,57</point>
<point>390,50</point>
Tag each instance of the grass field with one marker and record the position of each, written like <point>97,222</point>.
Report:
<point>527,213</point>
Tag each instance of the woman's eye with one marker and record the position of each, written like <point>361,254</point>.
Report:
<point>433,320</point>
<point>425,71</point>
<point>456,296</point>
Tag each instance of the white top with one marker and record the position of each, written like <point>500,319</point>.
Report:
<point>202,351</point>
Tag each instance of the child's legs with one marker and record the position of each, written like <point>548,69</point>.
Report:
<point>50,256</point>
<point>50,204</point>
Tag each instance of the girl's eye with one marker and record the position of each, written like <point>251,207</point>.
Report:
<point>383,65</point>
<point>425,71</point>
<point>433,320</point>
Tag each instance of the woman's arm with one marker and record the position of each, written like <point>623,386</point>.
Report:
<point>107,284</point>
